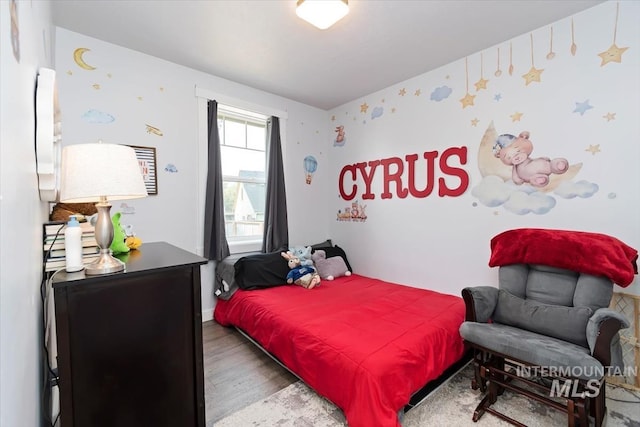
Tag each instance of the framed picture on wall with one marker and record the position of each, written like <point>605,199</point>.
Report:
<point>147,160</point>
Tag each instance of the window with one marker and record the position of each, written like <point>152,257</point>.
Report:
<point>243,139</point>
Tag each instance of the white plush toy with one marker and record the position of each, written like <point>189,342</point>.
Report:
<point>329,268</point>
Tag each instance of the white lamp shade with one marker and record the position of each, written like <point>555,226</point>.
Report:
<point>90,171</point>
<point>322,13</point>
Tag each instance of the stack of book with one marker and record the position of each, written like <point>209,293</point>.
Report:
<point>54,252</point>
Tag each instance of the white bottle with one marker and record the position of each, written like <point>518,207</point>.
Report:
<point>73,245</point>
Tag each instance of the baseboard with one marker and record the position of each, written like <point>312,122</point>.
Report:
<point>207,315</point>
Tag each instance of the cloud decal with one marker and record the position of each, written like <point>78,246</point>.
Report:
<point>492,191</point>
<point>521,203</point>
<point>441,93</point>
<point>376,112</point>
<point>582,189</point>
<point>95,116</point>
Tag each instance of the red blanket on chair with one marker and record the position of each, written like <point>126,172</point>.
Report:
<point>590,253</point>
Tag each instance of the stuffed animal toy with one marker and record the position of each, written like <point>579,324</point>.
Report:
<point>329,268</point>
<point>303,275</point>
<point>118,245</point>
<point>303,253</point>
<point>131,240</point>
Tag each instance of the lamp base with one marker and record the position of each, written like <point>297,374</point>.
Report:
<point>105,264</point>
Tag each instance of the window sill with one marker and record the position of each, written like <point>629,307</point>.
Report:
<point>246,246</point>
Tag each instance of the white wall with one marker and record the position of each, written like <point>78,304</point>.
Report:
<point>137,90</point>
<point>21,213</point>
<point>442,243</point>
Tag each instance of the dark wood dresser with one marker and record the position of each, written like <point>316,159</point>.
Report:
<point>130,343</point>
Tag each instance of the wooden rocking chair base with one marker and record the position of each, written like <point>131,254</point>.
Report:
<point>493,374</point>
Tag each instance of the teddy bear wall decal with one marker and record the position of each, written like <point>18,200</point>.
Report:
<point>515,151</point>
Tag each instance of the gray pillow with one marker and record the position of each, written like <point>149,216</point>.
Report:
<point>565,323</point>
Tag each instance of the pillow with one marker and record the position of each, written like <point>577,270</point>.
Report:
<point>326,244</point>
<point>337,251</point>
<point>558,321</point>
<point>261,271</point>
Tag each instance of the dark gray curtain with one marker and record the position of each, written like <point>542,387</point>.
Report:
<point>276,230</point>
<point>215,237</point>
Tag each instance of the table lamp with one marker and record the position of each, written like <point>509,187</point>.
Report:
<point>99,172</point>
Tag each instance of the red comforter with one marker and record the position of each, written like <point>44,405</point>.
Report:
<point>365,344</point>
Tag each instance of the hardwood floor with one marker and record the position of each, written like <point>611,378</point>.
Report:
<point>236,372</point>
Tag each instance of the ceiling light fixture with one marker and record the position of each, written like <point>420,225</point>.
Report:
<point>322,13</point>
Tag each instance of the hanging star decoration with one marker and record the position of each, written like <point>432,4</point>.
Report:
<point>582,107</point>
<point>593,149</point>
<point>475,122</point>
<point>482,83</point>
<point>402,92</point>
<point>614,53</point>
<point>497,97</point>
<point>515,117</point>
<point>468,98</point>
<point>533,75</point>
<point>364,107</point>
<point>417,92</point>
<point>609,116</point>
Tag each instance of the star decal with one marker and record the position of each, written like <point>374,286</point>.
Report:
<point>481,84</point>
<point>69,72</point>
<point>582,107</point>
<point>609,116</point>
<point>475,122</point>
<point>497,97</point>
<point>417,92</point>
<point>613,54</point>
<point>515,117</point>
<point>364,107</point>
<point>593,149</point>
<point>532,76</point>
<point>467,100</point>
<point>96,86</point>
<point>393,110</point>
<point>333,118</point>
<point>402,92</point>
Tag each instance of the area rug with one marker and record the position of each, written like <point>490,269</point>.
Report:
<point>451,405</point>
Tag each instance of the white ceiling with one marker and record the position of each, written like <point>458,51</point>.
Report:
<point>263,44</point>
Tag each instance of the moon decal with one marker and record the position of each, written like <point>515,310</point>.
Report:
<point>488,164</point>
<point>77,57</point>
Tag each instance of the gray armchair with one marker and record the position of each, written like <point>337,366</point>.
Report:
<point>544,331</point>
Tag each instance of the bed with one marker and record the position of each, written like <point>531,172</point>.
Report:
<point>364,344</point>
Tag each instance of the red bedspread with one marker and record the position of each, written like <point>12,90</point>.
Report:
<point>365,344</point>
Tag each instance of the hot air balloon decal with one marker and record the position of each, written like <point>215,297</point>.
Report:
<point>310,166</point>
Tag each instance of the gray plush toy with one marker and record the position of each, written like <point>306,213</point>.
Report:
<point>329,268</point>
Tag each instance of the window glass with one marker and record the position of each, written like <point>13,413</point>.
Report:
<point>243,158</point>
